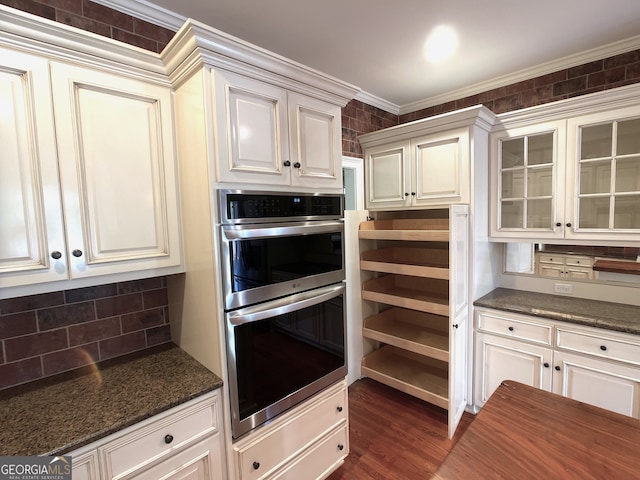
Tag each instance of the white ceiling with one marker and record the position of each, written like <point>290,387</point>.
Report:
<point>377,44</point>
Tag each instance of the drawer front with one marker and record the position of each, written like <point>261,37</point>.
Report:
<point>592,343</point>
<point>320,460</point>
<point>138,448</point>
<point>266,452</point>
<point>586,262</point>
<point>515,328</point>
<point>552,259</point>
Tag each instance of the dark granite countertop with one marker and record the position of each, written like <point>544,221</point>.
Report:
<point>608,315</point>
<point>59,414</point>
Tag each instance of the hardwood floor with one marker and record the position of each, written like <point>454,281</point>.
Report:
<point>394,436</point>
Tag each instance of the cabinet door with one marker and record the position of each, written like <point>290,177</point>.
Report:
<point>85,466</point>
<point>608,385</point>
<point>117,168</point>
<point>315,138</point>
<point>603,176</point>
<point>387,176</point>
<point>31,224</point>
<point>527,182</point>
<point>251,118</point>
<point>499,359</point>
<point>440,172</point>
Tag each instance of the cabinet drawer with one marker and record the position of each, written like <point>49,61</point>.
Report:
<point>515,328</point>
<point>573,261</point>
<point>263,454</point>
<point>552,259</point>
<point>140,447</point>
<point>593,343</point>
<point>320,460</point>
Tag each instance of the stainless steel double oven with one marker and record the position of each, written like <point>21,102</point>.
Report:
<point>283,275</point>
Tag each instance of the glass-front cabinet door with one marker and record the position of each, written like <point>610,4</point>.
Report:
<point>527,197</point>
<point>604,169</point>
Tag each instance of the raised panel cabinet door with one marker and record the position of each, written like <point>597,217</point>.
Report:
<point>253,136</point>
<point>500,359</point>
<point>117,165</point>
<point>608,385</point>
<point>315,137</point>
<point>32,244</point>
<point>441,173</point>
<point>387,176</point>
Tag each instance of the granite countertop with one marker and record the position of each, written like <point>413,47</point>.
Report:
<point>59,414</point>
<point>608,315</point>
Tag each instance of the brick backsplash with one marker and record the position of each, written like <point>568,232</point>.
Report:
<point>41,335</point>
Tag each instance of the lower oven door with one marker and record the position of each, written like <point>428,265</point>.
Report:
<point>282,352</point>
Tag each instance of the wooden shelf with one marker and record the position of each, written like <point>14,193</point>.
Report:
<point>418,332</point>
<point>424,294</point>
<point>418,262</point>
<point>410,373</point>
<point>424,229</point>
<point>617,266</point>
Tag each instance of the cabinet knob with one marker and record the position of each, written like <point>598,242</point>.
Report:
<point>603,348</point>
<point>339,409</point>
<point>558,224</point>
<point>511,329</point>
<point>546,365</point>
<point>557,367</point>
<point>455,325</point>
<point>168,438</point>
<point>569,224</point>
<point>297,165</point>
<point>287,163</point>
<point>413,194</point>
<point>340,447</point>
<point>56,255</point>
<point>77,253</point>
<point>256,465</point>
<point>406,194</point>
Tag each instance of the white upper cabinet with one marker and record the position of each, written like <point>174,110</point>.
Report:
<point>87,171</point>
<point>271,136</point>
<point>572,177</point>
<point>261,121</point>
<point>424,163</point>
<point>31,225</point>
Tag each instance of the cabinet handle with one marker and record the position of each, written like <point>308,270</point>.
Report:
<point>297,165</point>
<point>287,163</point>
<point>339,409</point>
<point>77,253</point>
<point>557,367</point>
<point>546,365</point>
<point>558,224</point>
<point>56,255</point>
<point>168,438</point>
<point>569,224</point>
<point>603,348</point>
<point>340,447</point>
<point>256,465</point>
<point>511,329</point>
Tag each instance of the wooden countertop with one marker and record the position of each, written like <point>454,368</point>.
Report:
<point>526,433</point>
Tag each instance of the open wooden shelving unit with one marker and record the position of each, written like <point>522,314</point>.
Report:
<point>410,259</point>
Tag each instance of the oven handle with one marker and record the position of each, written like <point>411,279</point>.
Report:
<point>288,304</point>
<point>276,230</point>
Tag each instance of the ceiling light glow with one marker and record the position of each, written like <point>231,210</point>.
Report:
<point>441,44</point>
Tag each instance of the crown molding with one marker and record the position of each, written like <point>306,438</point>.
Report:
<point>378,102</point>
<point>582,58</point>
<point>146,11</point>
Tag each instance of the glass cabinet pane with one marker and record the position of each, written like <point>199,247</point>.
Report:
<point>512,214</point>
<point>539,213</point>
<point>626,212</point>
<point>594,212</point>
<point>540,149</point>
<point>596,141</point>
<point>539,182</point>
<point>628,175</point>
<point>628,137</point>
<point>595,177</point>
<point>513,183</point>
<point>513,153</point>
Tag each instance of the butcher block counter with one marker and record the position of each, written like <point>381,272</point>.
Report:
<point>527,433</point>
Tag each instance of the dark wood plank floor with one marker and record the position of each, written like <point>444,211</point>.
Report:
<point>394,436</point>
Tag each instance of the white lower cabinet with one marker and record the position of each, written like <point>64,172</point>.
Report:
<point>308,442</point>
<point>183,442</point>
<point>592,365</point>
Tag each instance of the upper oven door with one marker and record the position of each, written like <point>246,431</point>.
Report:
<point>266,261</point>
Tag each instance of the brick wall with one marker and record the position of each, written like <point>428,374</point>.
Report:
<point>41,335</point>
